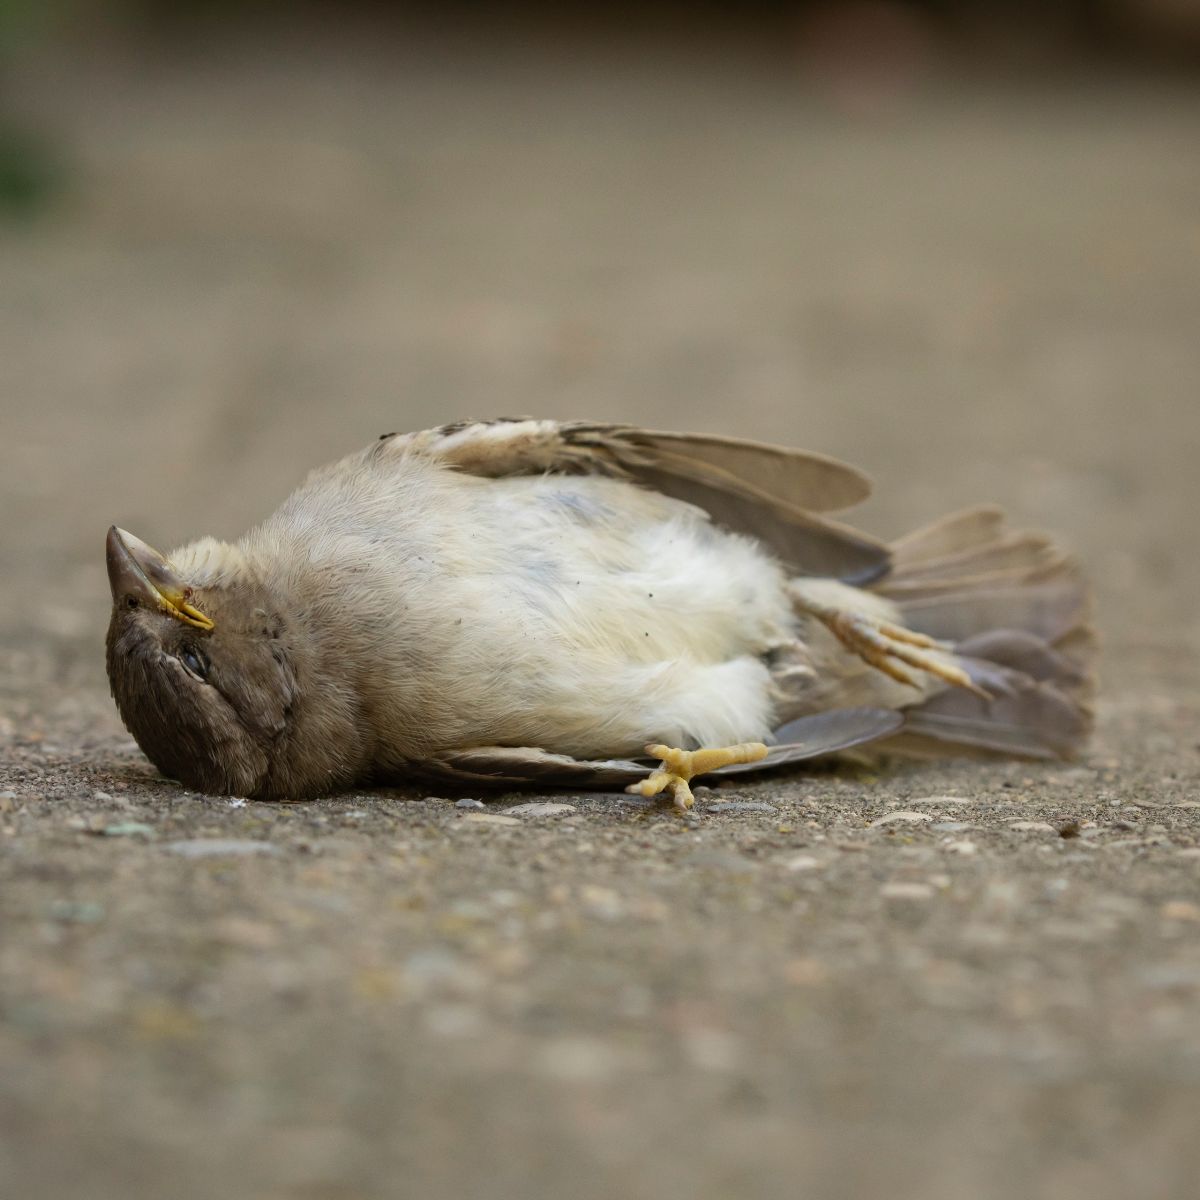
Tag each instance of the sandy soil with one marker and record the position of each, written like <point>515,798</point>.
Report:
<point>270,256</point>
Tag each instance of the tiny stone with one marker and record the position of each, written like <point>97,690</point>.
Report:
<point>545,809</point>
<point>802,862</point>
<point>468,804</point>
<point>219,847</point>
<point>127,829</point>
<point>741,806</point>
<point>1032,827</point>
<point>102,797</point>
<point>901,817</point>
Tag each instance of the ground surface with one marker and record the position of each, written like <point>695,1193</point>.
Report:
<point>270,257</point>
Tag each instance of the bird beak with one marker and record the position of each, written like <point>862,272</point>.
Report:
<point>138,570</point>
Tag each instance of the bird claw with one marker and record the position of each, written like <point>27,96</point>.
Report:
<point>885,646</point>
<point>679,767</point>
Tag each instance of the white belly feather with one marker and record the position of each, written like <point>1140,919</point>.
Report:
<point>638,619</point>
<point>576,613</point>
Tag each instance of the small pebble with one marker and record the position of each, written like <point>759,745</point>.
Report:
<point>1032,827</point>
<point>127,829</point>
<point>468,804</point>
<point>545,809</point>
<point>219,847</point>
<point>802,862</point>
<point>740,806</point>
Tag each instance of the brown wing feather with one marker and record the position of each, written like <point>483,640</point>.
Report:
<point>796,477</point>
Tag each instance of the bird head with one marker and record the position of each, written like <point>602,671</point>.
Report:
<point>200,667</point>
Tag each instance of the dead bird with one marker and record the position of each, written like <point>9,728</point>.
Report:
<point>530,602</point>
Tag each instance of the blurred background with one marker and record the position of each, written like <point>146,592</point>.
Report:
<point>955,243</point>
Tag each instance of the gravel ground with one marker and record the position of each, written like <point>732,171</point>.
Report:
<point>936,980</point>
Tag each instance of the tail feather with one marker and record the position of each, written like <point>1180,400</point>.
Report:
<point>1049,609</point>
<point>1017,611</point>
<point>1012,557</point>
<point>967,529</point>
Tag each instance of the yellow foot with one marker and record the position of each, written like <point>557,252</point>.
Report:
<point>885,646</point>
<point>679,767</point>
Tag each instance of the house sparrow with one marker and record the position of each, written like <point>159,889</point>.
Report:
<point>532,602</point>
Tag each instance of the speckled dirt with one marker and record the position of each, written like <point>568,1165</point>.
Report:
<point>938,981</point>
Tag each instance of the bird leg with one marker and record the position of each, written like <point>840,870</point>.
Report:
<point>885,645</point>
<point>679,767</point>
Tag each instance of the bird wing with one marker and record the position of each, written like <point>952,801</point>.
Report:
<point>770,493</point>
<point>523,766</point>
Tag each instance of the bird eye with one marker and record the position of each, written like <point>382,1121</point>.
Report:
<point>194,662</point>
